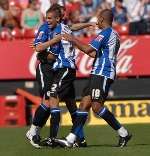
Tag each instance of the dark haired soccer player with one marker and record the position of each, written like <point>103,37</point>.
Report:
<point>44,73</point>
<point>64,67</point>
<point>104,49</point>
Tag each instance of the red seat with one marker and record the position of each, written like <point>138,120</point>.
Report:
<point>14,3</point>
<point>5,34</point>
<point>122,29</point>
<point>29,33</point>
<point>17,33</point>
<point>12,110</point>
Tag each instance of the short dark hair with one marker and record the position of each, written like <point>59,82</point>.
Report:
<point>57,6</point>
<point>121,1</point>
<point>32,1</point>
<point>56,9</point>
<point>107,14</point>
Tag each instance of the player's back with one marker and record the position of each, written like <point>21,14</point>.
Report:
<point>108,44</point>
<point>111,44</point>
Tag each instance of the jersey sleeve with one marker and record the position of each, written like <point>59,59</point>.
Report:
<point>54,49</point>
<point>65,29</point>
<point>42,36</point>
<point>97,42</point>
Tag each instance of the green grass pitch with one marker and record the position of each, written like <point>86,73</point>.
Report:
<point>101,142</point>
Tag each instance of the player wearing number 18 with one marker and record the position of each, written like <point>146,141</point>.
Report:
<point>104,49</point>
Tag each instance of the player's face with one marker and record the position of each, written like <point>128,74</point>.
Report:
<point>52,19</point>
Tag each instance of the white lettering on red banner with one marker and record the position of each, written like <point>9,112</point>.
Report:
<point>132,60</point>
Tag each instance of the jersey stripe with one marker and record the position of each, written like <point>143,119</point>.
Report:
<point>106,48</point>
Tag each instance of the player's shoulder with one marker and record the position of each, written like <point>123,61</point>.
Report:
<point>65,28</point>
<point>42,31</point>
<point>44,26</point>
<point>109,32</point>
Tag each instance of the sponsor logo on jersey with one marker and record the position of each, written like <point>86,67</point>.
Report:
<point>99,37</point>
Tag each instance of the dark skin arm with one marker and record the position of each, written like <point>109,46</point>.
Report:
<point>79,26</point>
<point>87,49</point>
<point>51,57</point>
<point>75,27</point>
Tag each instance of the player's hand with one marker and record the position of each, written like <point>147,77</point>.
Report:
<point>51,57</point>
<point>31,45</point>
<point>93,24</point>
<point>57,38</point>
<point>67,37</point>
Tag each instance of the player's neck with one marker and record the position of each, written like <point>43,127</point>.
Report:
<point>106,26</point>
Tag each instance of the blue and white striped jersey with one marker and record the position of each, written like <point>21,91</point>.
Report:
<point>44,34</point>
<point>65,49</point>
<point>106,44</point>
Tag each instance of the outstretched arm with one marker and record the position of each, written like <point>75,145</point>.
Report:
<point>79,26</point>
<point>42,46</point>
<point>87,49</point>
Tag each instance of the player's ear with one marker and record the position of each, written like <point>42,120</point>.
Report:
<point>58,19</point>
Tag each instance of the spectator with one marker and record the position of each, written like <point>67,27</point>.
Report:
<point>135,16</point>
<point>75,17</point>
<point>45,5</point>
<point>131,7</point>
<point>111,2</point>
<point>2,14</point>
<point>23,3</point>
<point>145,22</point>
<point>31,17</point>
<point>105,5</point>
<point>120,13</point>
<point>72,6</point>
<point>146,12</point>
<point>16,11</point>
<point>11,16</point>
<point>88,8</point>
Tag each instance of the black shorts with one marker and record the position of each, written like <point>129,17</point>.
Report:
<point>97,87</point>
<point>63,84</point>
<point>44,76</point>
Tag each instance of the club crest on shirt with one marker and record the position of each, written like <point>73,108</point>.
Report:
<point>40,34</point>
<point>99,37</point>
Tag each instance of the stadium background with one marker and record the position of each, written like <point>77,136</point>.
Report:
<point>129,97</point>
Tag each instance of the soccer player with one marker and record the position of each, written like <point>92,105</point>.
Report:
<point>64,75</point>
<point>104,49</point>
<point>44,75</point>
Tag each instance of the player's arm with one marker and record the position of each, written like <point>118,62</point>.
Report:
<point>79,26</point>
<point>87,49</point>
<point>44,45</point>
<point>51,57</point>
<point>43,55</point>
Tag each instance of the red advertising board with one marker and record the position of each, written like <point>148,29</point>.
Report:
<point>18,61</point>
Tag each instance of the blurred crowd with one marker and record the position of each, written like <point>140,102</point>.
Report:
<point>20,18</point>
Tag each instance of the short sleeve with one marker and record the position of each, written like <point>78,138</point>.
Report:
<point>97,42</point>
<point>42,36</point>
